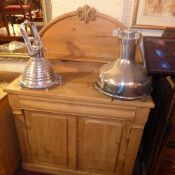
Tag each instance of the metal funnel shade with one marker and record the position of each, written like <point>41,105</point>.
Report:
<point>124,78</point>
<point>39,74</point>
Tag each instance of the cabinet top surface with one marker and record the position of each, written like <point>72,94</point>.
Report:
<point>76,86</point>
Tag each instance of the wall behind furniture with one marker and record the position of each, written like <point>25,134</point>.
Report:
<point>113,8</point>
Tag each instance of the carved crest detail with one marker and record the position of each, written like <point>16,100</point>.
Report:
<point>86,13</point>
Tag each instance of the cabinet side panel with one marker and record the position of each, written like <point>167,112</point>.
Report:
<point>133,146</point>
<point>22,134</point>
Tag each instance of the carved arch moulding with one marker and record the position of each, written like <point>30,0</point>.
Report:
<point>86,13</point>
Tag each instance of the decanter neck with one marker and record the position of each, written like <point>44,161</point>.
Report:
<point>128,49</point>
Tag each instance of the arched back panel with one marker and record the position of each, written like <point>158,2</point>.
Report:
<point>82,35</point>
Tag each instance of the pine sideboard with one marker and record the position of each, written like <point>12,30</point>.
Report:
<point>74,129</point>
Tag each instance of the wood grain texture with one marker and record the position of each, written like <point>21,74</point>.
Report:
<point>134,139</point>
<point>51,138</point>
<point>76,86</point>
<point>133,147</point>
<point>9,150</point>
<point>100,145</point>
<point>98,127</point>
<point>22,134</point>
<point>85,35</point>
<point>70,38</point>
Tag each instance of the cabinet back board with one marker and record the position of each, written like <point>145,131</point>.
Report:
<point>82,35</point>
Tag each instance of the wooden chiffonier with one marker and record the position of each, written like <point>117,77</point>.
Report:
<point>72,128</point>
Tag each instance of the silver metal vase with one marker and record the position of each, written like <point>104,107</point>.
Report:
<point>38,72</point>
<point>124,78</point>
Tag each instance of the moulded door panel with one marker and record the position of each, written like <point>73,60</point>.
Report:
<point>52,138</point>
<point>99,145</point>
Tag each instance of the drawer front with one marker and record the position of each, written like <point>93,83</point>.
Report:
<point>74,107</point>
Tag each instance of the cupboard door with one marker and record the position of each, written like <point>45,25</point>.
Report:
<point>52,138</point>
<point>101,147</point>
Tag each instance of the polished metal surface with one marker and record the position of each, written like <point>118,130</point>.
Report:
<point>38,72</point>
<point>124,78</point>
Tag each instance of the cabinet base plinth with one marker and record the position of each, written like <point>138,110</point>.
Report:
<point>53,170</point>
